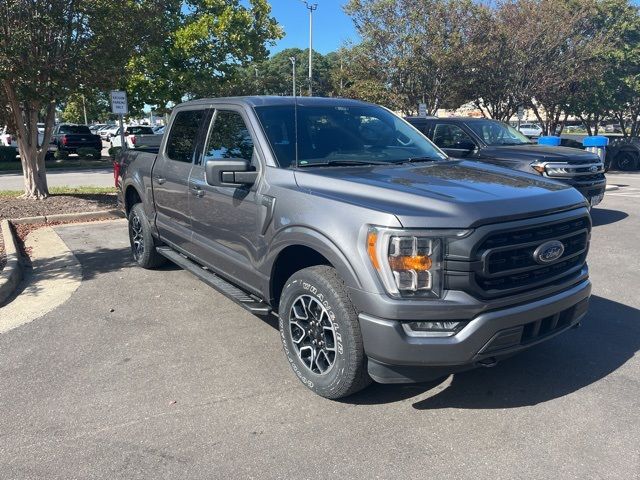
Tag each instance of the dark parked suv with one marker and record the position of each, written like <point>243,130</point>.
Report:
<point>382,258</point>
<point>498,143</point>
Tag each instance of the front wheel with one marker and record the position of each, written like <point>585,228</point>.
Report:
<point>143,245</point>
<point>321,334</point>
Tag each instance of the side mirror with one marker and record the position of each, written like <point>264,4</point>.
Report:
<point>231,172</point>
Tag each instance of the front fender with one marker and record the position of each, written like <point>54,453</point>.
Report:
<point>308,237</point>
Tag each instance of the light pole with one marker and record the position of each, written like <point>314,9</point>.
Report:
<point>311,7</point>
<point>293,66</point>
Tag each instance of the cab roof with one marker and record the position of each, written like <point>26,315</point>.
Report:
<point>273,100</point>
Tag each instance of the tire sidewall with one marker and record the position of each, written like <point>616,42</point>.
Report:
<point>305,284</point>
<point>145,260</point>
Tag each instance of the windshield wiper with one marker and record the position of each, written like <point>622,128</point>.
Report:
<point>513,143</point>
<point>419,159</point>
<point>340,163</point>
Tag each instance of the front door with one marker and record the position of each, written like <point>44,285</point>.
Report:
<point>171,177</point>
<point>453,140</point>
<point>225,219</point>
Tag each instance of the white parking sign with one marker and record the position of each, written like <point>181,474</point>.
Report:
<point>119,102</point>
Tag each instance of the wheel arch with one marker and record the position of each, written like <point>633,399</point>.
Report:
<point>131,197</point>
<point>299,248</point>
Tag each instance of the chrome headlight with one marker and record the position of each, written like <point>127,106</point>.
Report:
<point>410,262</point>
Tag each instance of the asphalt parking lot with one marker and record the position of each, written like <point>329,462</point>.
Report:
<point>152,374</point>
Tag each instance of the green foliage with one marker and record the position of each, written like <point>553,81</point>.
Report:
<point>114,151</point>
<point>96,103</point>
<point>203,45</point>
<point>61,154</point>
<point>51,49</point>
<point>8,154</point>
<point>89,152</point>
<point>274,76</point>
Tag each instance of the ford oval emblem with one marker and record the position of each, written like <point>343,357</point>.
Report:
<point>593,168</point>
<point>548,252</point>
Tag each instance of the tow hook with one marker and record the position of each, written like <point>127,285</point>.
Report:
<point>488,362</point>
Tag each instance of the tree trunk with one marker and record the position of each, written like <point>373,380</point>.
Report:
<point>32,156</point>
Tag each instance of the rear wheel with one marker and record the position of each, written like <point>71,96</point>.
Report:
<point>143,245</point>
<point>321,334</point>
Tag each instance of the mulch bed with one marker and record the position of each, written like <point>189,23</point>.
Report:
<point>11,207</point>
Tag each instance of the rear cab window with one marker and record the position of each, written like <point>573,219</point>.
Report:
<point>137,130</point>
<point>74,129</point>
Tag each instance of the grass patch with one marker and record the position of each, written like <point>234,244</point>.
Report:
<point>70,163</point>
<point>64,191</point>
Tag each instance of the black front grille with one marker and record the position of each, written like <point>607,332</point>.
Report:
<point>507,257</point>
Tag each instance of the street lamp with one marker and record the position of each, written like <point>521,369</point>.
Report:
<point>311,7</point>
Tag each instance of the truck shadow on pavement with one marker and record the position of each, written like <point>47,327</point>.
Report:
<point>608,338</point>
<point>603,216</point>
<point>93,262</point>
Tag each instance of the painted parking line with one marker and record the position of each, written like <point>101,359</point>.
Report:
<point>624,191</point>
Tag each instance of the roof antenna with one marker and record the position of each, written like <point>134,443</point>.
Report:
<point>295,107</point>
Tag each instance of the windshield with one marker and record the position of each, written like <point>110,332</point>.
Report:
<point>497,133</point>
<point>338,135</point>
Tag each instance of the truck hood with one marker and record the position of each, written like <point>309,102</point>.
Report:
<point>444,194</point>
<point>540,152</point>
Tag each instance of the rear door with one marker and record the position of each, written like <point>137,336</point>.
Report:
<point>225,219</point>
<point>171,176</point>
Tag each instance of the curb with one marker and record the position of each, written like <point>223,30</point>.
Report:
<point>611,188</point>
<point>61,217</point>
<point>11,275</point>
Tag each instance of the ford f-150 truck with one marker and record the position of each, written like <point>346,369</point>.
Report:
<point>69,138</point>
<point>382,258</point>
<point>495,142</point>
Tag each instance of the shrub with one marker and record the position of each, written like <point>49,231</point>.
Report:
<point>8,154</point>
<point>89,152</point>
<point>61,154</point>
<point>114,151</point>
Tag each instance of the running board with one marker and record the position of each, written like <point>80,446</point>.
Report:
<point>242,298</point>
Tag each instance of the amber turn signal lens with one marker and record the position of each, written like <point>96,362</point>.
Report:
<point>372,238</point>
<point>418,263</point>
<point>538,168</point>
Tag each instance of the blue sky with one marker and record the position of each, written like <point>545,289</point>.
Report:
<point>331,26</point>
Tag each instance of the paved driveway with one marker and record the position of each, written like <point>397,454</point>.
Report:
<point>151,374</point>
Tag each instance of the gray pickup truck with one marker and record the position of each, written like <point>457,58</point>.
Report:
<point>381,257</point>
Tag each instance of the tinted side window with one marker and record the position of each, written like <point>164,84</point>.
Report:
<point>183,136</point>
<point>229,138</point>
<point>446,135</point>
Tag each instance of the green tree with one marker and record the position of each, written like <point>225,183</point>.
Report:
<point>48,48</point>
<point>96,104</point>
<point>205,43</point>
<point>411,48</point>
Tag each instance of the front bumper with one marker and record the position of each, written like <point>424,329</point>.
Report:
<point>588,188</point>
<point>395,357</point>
